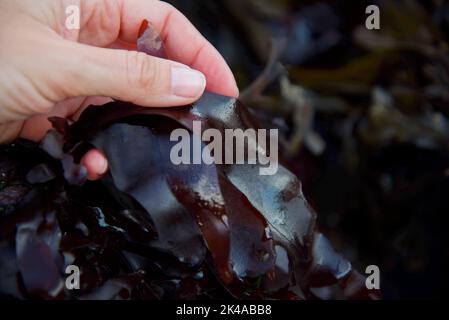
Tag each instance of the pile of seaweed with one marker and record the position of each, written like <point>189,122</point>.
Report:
<point>154,230</point>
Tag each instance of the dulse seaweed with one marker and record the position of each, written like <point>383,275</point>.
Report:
<point>150,229</point>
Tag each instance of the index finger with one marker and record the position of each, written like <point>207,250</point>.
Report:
<point>182,41</point>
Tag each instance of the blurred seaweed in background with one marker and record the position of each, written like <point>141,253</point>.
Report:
<point>363,116</point>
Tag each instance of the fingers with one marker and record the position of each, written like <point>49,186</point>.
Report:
<point>9,131</point>
<point>182,41</point>
<point>37,126</point>
<point>95,163</point>
<point>130,76</point>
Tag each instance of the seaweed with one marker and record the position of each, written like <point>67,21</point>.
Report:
<point>149,223</point>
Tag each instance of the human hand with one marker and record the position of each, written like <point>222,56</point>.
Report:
<point>49,70</point>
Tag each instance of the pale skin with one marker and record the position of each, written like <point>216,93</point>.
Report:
<point>49,70</point>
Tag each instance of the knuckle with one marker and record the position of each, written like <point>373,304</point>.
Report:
<point>141,70</point>
<point>168,6</point>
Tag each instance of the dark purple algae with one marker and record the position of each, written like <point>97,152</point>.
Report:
<point>153,230</point>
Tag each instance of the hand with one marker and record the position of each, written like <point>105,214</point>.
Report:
<point>48,70</point>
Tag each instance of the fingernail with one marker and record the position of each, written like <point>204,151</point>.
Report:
<point>187,83</point>
<point>102,165</point>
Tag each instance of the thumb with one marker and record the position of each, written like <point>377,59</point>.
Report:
<point>132,76</point>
